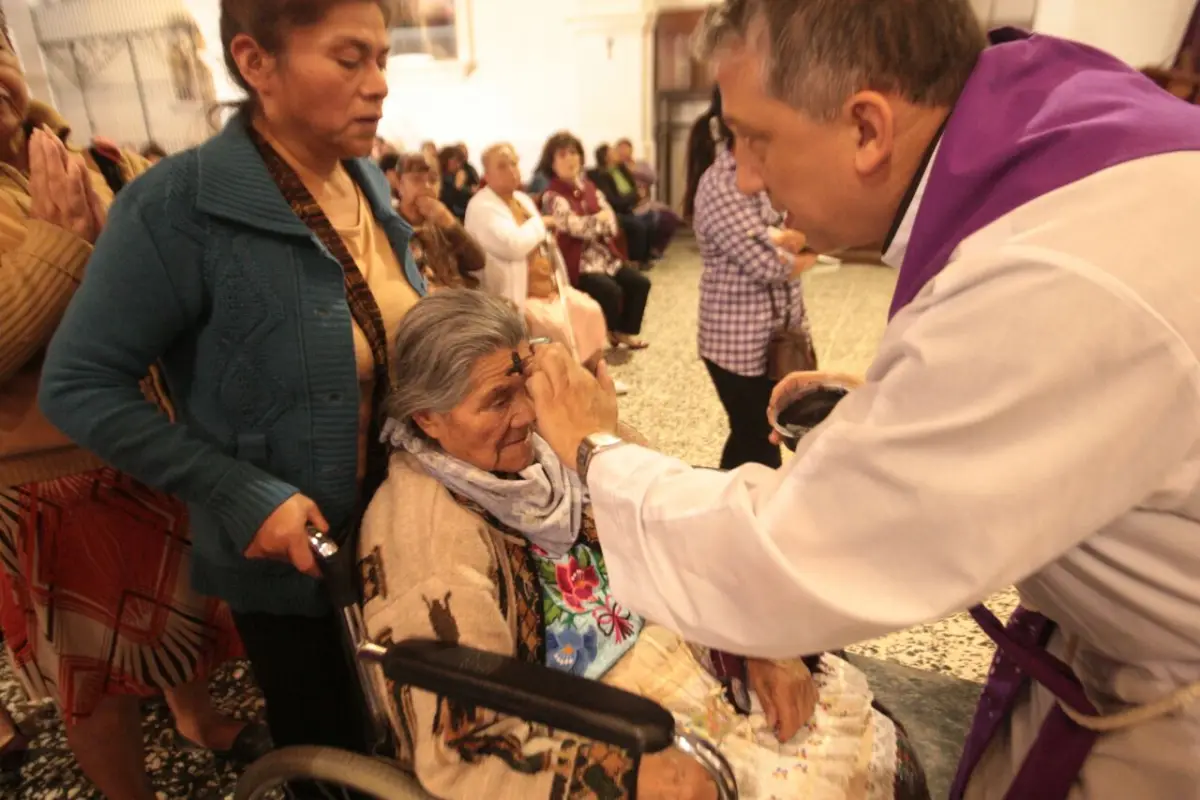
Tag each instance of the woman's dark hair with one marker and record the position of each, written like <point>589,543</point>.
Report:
<point>388,162</point>
<point>563,140</point>
<point>708,132</point>
<point>602,156</point>
<point>447,154</point>
<point>269,22</point>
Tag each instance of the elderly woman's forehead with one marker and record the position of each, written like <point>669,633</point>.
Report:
<point>498,365</point>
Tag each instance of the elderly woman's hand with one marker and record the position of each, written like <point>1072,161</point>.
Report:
<point>786,691</point>
<point>570,403</point>
<point>671,775</point>
<point>61,190</point>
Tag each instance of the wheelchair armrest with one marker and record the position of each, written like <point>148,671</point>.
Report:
<point>532,692</point>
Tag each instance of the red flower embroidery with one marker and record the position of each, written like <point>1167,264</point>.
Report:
<point>576,584</point>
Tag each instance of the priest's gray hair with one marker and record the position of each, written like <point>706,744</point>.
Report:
<point>437,344</point>
<point>818,53</point>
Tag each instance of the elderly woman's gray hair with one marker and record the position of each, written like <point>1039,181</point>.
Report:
<point>438,343</point>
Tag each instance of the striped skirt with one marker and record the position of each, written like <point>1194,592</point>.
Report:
<point>95,597</point>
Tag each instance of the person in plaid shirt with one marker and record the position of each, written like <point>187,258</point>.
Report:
<point>748,288</point>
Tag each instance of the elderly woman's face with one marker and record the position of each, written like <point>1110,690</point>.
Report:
<point>492,428</point>
<point>503,171</point>
<point>567,163</point>
<point>14,92</point>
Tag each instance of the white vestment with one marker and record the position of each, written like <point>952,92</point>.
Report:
<point>1032,417</point>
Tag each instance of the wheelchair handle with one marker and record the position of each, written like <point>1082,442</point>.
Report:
<point>322,546</point>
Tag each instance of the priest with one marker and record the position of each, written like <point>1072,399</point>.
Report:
<point>1032,416</point>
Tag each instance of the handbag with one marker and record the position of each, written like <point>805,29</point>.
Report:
<point>790,349</point>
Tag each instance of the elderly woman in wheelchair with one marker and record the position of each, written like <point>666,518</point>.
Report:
<point>480,537</point>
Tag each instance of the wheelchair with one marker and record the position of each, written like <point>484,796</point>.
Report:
<point>533,692</point>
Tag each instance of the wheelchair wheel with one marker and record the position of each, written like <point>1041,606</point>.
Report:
<point>327,773</point>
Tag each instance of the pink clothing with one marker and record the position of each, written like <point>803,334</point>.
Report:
<point>514,237</point>
<point>574,319</point>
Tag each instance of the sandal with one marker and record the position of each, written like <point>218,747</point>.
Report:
<point>251,744</point>
<point>632,342</point>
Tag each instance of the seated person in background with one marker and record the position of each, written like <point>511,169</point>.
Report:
<point>521,260</point>
<point>659,222</point>
<point>442,248</point>
<point>622,197</point>
<point>538,183</point>
<point>481,536</point>
<point>383,148</point>
<point>430,151</point>
<point>587,228</point>
<point>472,173</point>
<point>645,176</point>
<point>457,187</point>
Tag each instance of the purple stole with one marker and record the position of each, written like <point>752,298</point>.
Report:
<point>1037,114</point>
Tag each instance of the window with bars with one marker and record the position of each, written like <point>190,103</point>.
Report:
<point>128,70</point>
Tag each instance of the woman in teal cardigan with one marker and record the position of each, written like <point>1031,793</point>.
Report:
<point>263,271</point>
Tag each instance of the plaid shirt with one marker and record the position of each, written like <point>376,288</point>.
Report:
<point>742,272</point>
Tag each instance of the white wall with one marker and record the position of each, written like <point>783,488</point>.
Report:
<point>540,66</point>
<point>1141,32</point>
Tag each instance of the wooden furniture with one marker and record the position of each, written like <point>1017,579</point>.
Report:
<point>682,91</point>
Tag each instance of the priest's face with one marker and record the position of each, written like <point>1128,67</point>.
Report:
<point>832,176</point>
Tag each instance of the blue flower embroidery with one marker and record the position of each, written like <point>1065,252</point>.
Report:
<point>570,650</point>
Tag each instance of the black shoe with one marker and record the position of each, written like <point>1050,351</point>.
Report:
<point>249,746</point>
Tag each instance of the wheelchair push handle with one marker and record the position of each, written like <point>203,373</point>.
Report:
<point>337,566</point>
<point>322,546</point>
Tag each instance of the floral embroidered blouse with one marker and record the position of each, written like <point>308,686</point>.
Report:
<point>587,631</point>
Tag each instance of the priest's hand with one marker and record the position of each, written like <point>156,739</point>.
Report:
<point>786,691</point>
<point>569,401</point>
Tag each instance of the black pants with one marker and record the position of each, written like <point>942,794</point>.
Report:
<point>745,400</point>
<point>304,671</point>
<point>639,236</point>
<point>622,296</point>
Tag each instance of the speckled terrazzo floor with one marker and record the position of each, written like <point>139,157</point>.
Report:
<point>673,401</point>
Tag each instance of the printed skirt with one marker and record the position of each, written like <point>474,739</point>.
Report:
<point>95,597</point>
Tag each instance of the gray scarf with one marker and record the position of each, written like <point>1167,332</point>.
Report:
<point>545,503</point>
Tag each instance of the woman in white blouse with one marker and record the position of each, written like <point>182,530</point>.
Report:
<point>521,264</point>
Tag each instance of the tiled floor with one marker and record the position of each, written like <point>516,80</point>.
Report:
<point>673,402</point>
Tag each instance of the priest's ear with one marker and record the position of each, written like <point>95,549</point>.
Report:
<point>874,124</point>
